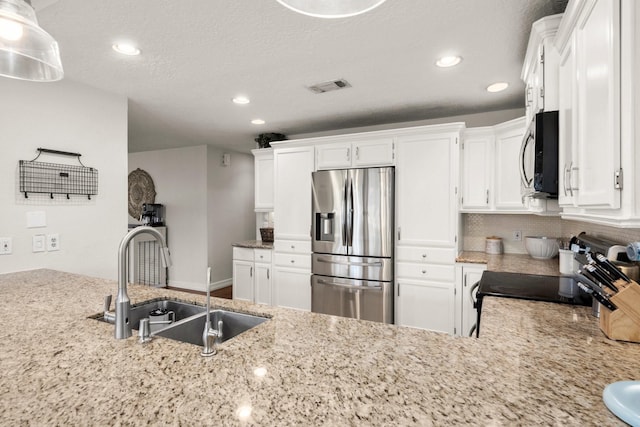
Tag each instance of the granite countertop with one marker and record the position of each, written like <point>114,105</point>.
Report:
<point>535,363</point>
<point>512,263</point>
<point>254,244</point>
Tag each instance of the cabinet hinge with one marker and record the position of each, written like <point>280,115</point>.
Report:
<point>455,239</point>
<point>618,178</point>
<point>462,200</point>
<point>455,190</point>
<point>542,56</point>
<point>455,331</point>
<point>393,151</point>
<point>541,92</point>
<point>455,291</point>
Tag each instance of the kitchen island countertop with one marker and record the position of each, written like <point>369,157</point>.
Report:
<point>536,363</point>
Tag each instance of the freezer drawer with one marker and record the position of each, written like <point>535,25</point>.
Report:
<point>357,299</point>
<point>353,267</point>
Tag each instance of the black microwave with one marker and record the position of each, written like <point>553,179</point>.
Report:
<point>539,157</point>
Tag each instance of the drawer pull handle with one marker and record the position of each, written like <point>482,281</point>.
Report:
<point>293,261</point>
<point>293,247</point>
<point>424,255</point>
<point>424,271</point>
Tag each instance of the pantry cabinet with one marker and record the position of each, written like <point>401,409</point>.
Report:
<point>599,94</point>
<point>361,154</point>
<point>426,240</point>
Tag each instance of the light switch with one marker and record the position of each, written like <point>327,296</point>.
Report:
<point>53,242</point>
<point>38,243</point>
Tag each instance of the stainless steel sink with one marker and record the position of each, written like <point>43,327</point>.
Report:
<point>190,330</point>
<point>181,310</point>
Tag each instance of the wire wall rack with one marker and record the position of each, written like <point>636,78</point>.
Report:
<point>56,178</point>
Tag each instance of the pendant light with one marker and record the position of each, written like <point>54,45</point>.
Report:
<point>27,52</point>
<point>331,8</point>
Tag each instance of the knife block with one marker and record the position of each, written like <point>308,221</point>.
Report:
<point>623,324</point>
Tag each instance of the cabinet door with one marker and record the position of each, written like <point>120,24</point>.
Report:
<point>507,174</point>
<point>470,276</point>
<point>477,153</point>
<point>263,165</point>
<point>598,64</point>
<point>263,283</point>
<point>373,153</point>
<point>292,207</point>
<point>292,288</point>
<point>333,156</point>
<point>567,118</point>
<point>243,280</point>
<point>425,305</point>
<point>426,203</point>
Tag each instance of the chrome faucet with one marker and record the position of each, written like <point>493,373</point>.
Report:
<point>123,304</point>
<point>209,335</point>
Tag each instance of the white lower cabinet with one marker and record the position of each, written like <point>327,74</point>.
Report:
<point>252,275</point>
<point>466,276</point>
<point>292,288</point>
<point>292,274</point>
<point>426,305</point>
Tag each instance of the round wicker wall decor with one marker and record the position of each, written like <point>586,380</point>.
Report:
<point>141,191</point>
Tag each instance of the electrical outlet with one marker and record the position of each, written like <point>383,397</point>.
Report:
<point>53,242</point>
<point>5,245</point>
<point>38,243</point>
<point>517,235</point>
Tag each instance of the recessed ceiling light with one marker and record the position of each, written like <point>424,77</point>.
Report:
<point>448,61</point>
<point>241,100</point>
<point>126,49</point>
<point>497,87</point>
<point>258,121</point>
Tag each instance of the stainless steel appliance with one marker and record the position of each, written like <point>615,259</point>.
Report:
<point>539,157</point>
<point>152,214</point>
<point>352,243</point>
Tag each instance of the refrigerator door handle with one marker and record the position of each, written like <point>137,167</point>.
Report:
<point>350,241</point>
<point>344,216</point>
<point>354,287</point>
<point>358,264</point>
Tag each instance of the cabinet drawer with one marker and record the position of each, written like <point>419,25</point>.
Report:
<point>426,271</point>
<point>292,246</point>
<point>262,255</point>
<point>293,260</point>
<point>427,255</point>
<point>243,254</point>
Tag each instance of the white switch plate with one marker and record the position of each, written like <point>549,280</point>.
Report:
<point>53,242</point>
<point>38,243</point>
<point>36,219</point>
<point>5,246</point>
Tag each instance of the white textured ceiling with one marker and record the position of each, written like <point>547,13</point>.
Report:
<point>198,54</point>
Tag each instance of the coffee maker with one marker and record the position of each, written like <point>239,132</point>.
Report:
<point>152,214</point>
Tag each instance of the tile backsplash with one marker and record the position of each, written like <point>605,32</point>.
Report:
<point>477,227</point>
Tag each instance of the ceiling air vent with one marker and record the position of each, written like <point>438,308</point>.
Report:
<point>329,86</point>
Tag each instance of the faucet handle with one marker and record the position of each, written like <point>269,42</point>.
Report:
<point>107,302</point>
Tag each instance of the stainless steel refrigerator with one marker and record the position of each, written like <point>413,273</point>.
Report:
<point>352,243</point>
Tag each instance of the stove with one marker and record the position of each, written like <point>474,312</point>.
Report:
<point>558,289</point>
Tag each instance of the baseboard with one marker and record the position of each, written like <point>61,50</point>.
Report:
<point>199,286</point>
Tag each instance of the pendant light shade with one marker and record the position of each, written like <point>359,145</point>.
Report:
<point>27,52</point>
<point>331,8</point>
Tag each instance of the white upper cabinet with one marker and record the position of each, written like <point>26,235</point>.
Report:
<point>426,182</point>
<point>599,118</point>
<point>292,204</point>
<point>477,165</point>
<point>263,172</point>
<point>507,190</point>
<point>343,155</point>
<point>540,68</point>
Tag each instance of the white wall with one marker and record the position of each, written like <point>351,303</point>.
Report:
<point>207,207</point>
<point>231,216</point>
<point>180,179</point>
<point>64,116</point>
